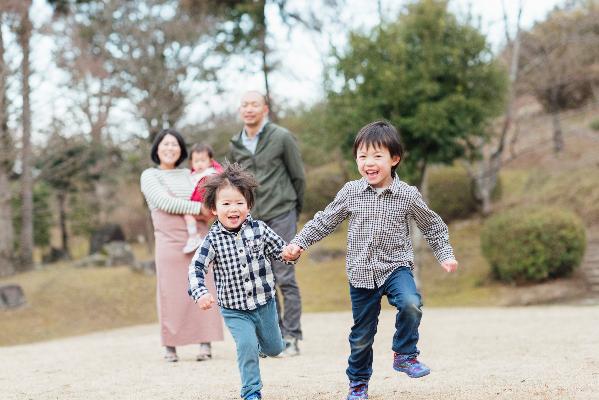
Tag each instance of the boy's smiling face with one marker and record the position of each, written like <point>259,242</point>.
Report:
<point>375,163</point>
<point>231,207</point>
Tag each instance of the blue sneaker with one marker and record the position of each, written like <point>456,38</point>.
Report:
<point>254,396</point>
<point>358,390</point>
<point>410,365</point>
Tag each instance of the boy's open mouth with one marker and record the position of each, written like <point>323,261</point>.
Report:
<point>372,174</point>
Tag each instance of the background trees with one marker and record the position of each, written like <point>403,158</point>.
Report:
<point>6,164</point>
<point>129,69</point>
<point>428,73</point>
<point>559,62</point>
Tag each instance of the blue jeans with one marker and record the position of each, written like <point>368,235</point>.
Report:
<point>401,293</point>
<point>254,331</point>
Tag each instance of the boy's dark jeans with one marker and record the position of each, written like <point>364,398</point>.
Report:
<point>401,293</point>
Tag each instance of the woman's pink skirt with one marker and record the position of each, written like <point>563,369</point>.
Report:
<point>181,321</point>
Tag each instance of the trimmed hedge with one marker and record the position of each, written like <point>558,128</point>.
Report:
<point>450,193</point>
<point>533,245</point>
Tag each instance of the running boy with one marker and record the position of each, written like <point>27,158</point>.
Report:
<point>379,254</point>
<point>239,248</point>
<point>202,165</point>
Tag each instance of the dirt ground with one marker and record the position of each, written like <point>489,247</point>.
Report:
<point>475,353</point>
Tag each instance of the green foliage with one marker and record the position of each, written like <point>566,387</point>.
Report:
<point>532,245</point>
<point>42,215</point>
<point>310,127</point>
<point>450,192</point>
<point>594,125</point>
<point>321,187</point>
<point>429,74</point>
<point>72,160</point>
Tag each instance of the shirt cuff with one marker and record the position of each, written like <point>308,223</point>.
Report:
<point>197,293</point>
<point>445,254</point>
<point>299,242</point>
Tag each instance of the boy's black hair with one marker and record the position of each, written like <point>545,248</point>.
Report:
<point>234,175</point>
<point>199,148</point>
<point>159,137</point>
<point>380,133</point>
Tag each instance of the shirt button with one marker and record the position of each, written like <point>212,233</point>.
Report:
<point>249,293</point>
<point>240,251</point>
<point>247,279</point>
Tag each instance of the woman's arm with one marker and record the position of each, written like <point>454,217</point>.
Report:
<point>158,196</point>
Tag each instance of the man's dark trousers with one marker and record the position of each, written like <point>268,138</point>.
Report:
<point>285,225</point>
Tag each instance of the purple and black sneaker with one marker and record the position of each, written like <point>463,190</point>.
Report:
<point>410,365</point>
<point>357,390</point>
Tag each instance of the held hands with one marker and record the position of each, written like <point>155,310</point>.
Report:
<point>291,252</point>
<point>205,302</point>
<point>450,265</point>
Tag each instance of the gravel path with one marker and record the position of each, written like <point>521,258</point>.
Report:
<point>474,353</point>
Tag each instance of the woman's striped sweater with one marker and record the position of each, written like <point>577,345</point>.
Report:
<point>169,190</point>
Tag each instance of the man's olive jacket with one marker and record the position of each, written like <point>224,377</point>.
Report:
<point>278,168</point>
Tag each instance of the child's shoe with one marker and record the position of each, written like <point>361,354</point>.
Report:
<point>254,396</point>
<point>193,242</point>
<point>357,390</point>
<point>410,365</point>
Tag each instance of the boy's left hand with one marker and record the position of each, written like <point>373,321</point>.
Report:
<point>450,265</point>
<point>291,252</point>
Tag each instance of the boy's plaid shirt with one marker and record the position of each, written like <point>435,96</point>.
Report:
<point>378,240</point>
<point>240,260</point>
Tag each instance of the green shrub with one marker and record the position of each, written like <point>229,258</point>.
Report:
<point>594,125</point>
<point>449,193</point>
<point>532,245</point>
<point>322,184</point>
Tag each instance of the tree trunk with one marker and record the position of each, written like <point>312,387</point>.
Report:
<point>486,178</point>
<point>6,151</point>
<point>418,243</point>
<point>26,242</point>
<point>558,136</point>
<point>264,54</point>
<point>62,217</point>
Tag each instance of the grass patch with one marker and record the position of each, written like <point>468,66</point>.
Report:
<point>574,189</point>
<point>470,285</point>
<point>324,285</point>
<point>65,301</point>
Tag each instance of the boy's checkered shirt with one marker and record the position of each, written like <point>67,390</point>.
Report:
<point>378,240</point>
<point>240,260</point>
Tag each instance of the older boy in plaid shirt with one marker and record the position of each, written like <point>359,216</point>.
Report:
<point>379,255</point>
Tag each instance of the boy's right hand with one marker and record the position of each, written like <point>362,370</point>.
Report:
<point>205,302</point>
<point>291,252</point>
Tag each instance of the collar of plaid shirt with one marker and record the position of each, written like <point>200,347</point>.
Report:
<point>218,225</point>
<point>394,187</point>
